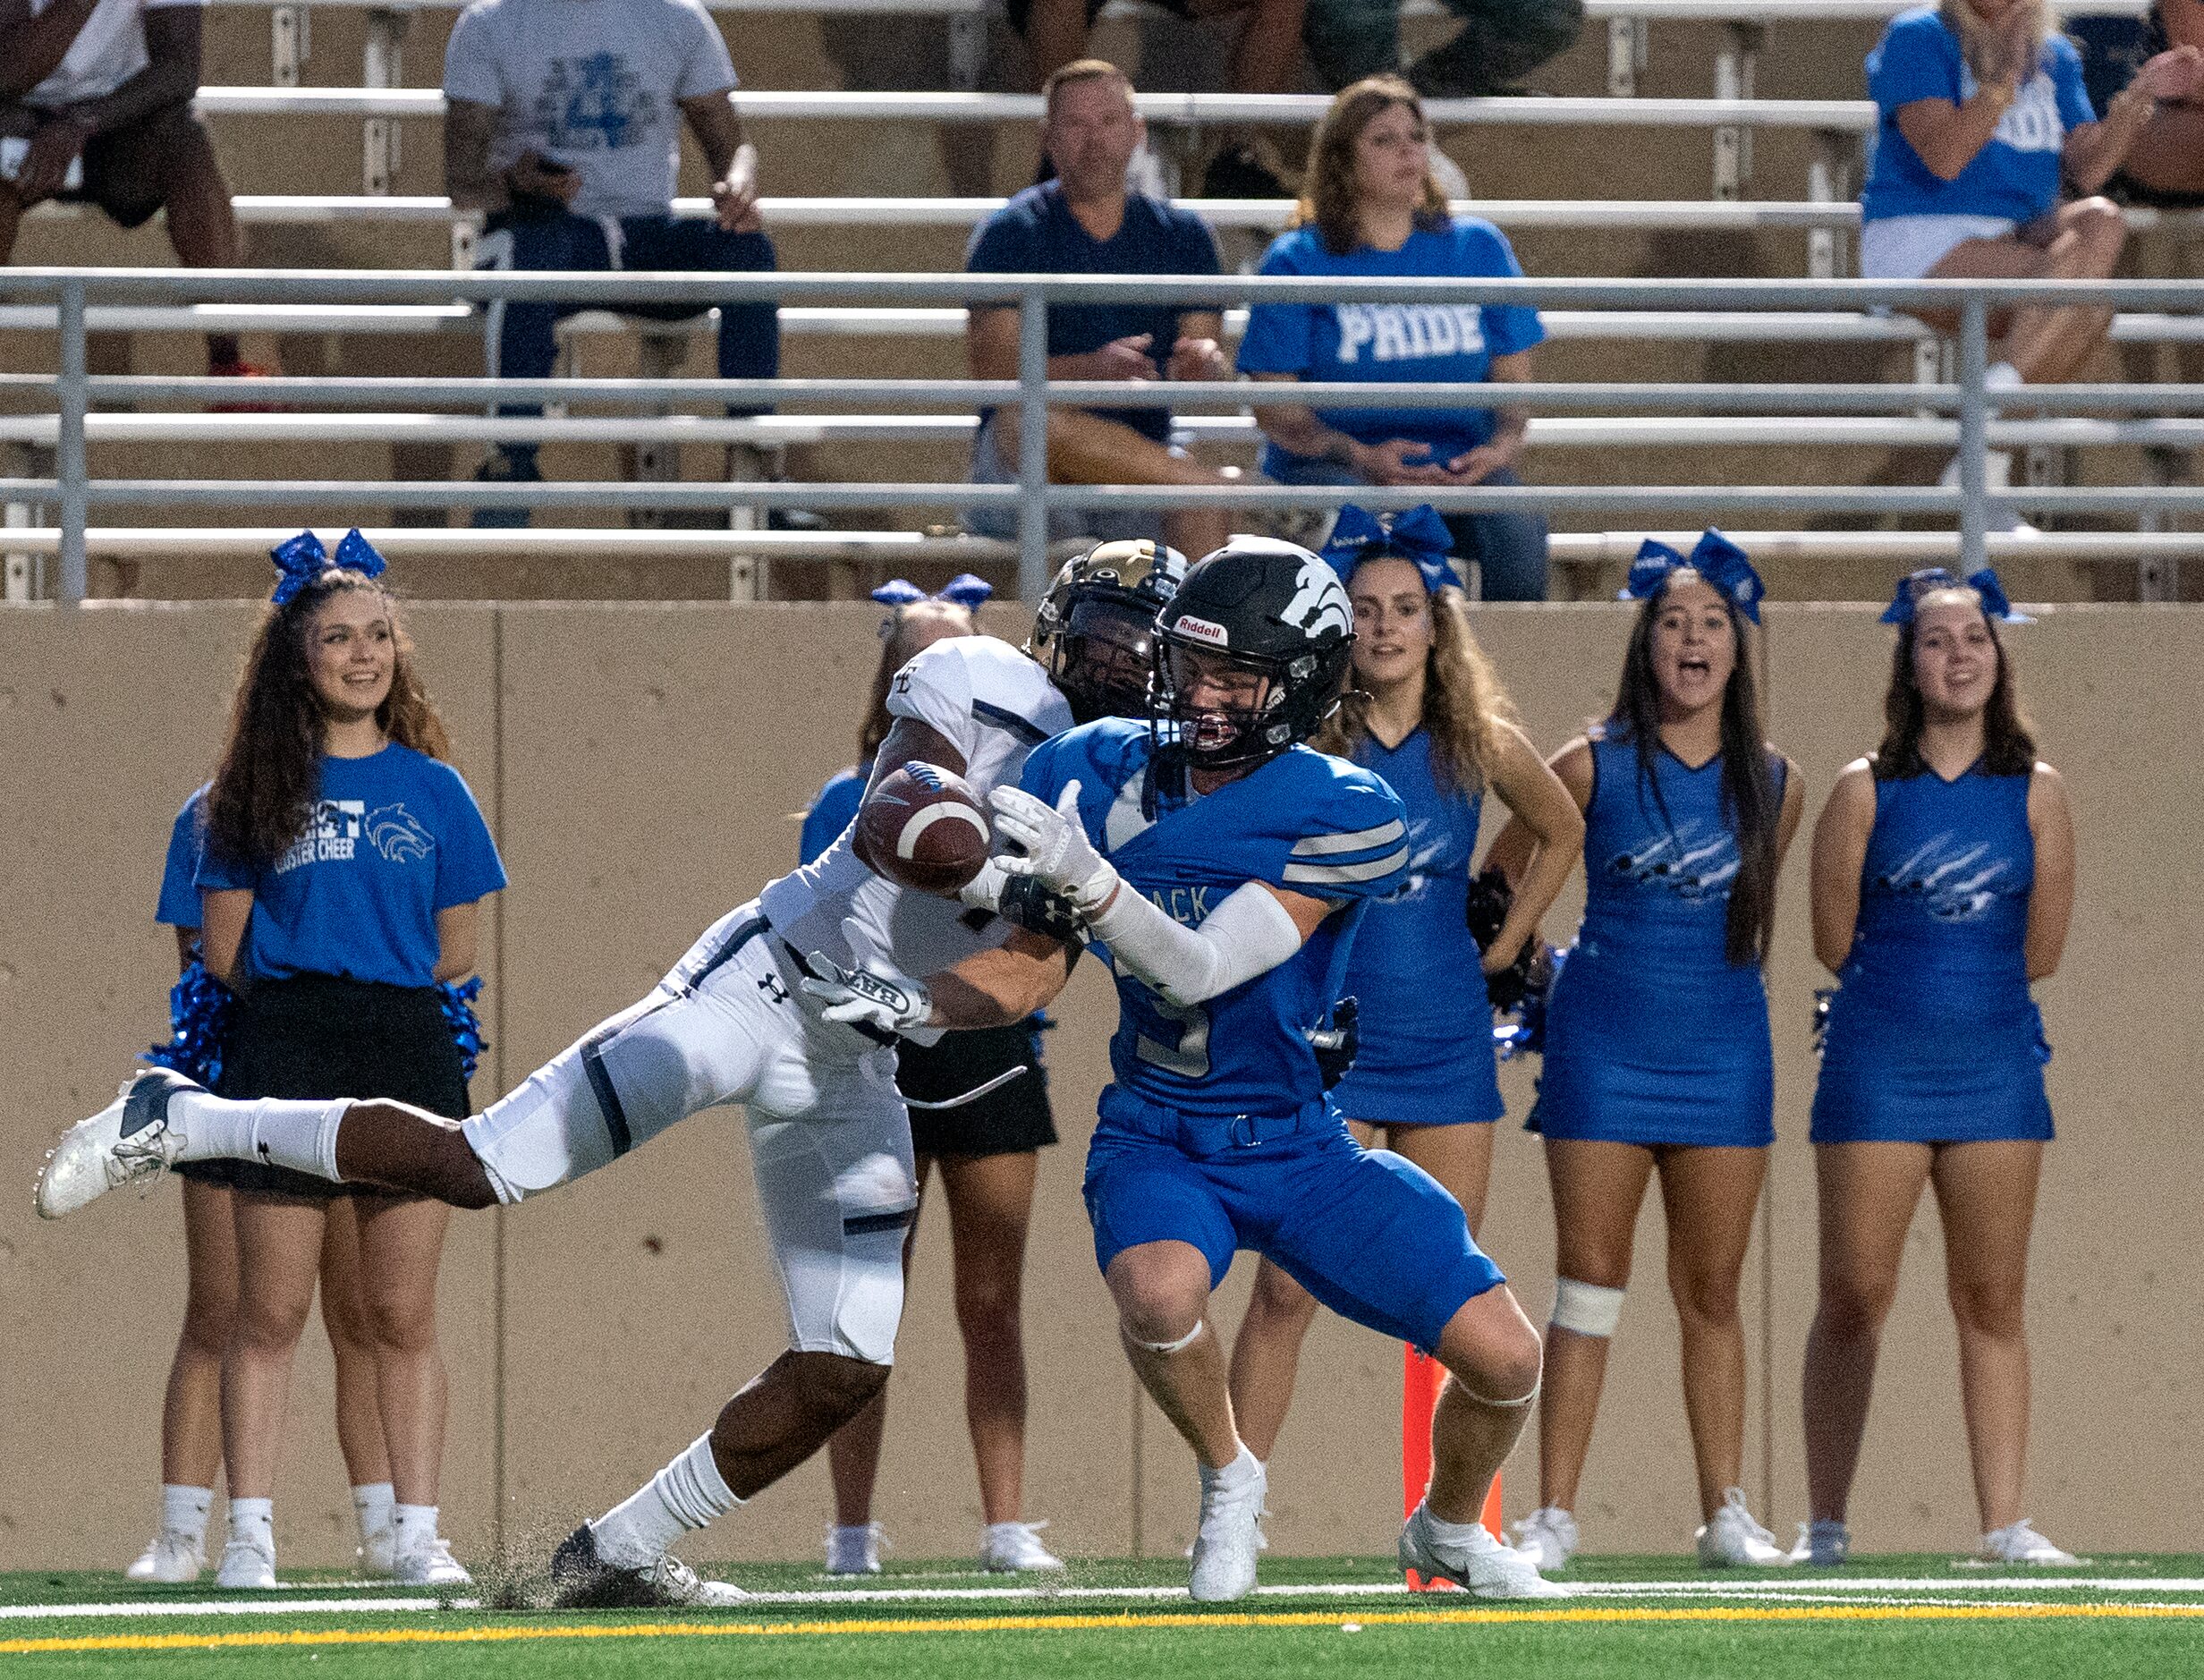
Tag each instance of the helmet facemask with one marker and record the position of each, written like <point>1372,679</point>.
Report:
<point>1102,657</point>
<point>1217,710</point>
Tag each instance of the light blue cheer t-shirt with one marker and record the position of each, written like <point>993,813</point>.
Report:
<point>2016,174</point>
<point>1394,343</point>
<point>393,839</point>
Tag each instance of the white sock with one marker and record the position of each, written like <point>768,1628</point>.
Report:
<point>1452,1533</point>
<point>686,1494</point>
<point>300,1135</point>
<point>1236,1474</point>
<point>417,1528</point>
<point>183,1511</point>
<point>254,1521</point>
<point>377,1505</point>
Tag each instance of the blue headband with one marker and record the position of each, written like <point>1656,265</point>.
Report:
<point>302,559</point>
<point>1726,567</point>
<point>1419,536</point>
<point>965,589</point>
<point>1985,583</point>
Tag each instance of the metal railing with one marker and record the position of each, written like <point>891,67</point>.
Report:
<point>1968,400</point>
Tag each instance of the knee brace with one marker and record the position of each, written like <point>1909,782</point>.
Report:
<point>1586,1308</point>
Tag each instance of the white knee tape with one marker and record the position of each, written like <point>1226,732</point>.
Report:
<point>1186,1340</point>
<point>1586,1308</point>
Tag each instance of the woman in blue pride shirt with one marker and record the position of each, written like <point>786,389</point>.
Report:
<point>1430,717</point>
<point>1942,883</point>
<point>343,867</point>
<point>1371,208</point>
<point>1984,119</point>
<point>1658,1055</point>
<point>191,1408</point>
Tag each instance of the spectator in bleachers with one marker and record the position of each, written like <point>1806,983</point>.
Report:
<point>2164,167</point>
<point>1265,59</point>
<point>1370,208</point>
<point>96,108</point>
<point>1984,116</point>
<point>1500,42</point>
<point>1085,221</point>
<point>564,123</point>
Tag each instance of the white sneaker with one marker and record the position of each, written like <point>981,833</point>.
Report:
<point>2019,1543</point>
<point>377,1555</point>
<point>129,1141</point>
<point>172,1558</point>
<point>246,1564</point>
<point>854,1548</point>
<point>430,1564</point>
<point>1228,1537</point>
<point>1825,1543</point>
<point>582,1581</point>
<point>1734,1540</point>
<point>1479,1565</point>
<point>1547,1536</point>
<point>1010,1547</point>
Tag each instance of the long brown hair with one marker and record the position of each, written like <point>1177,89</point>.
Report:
<point>2008,744</point>
<point>1750,799</point>
<point>1465,702</point>
<point>900,643</point>
<point>1327,194</point>
<point>270,774</point>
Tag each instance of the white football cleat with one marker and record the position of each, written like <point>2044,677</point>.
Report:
<point>1228,1537</point>
<point>173,1558</point>
<point>854,1548</point>
<point>2019,1543</point>
<point>377,1555</point>
<point>1480,1565</point>
<point>1547,1536</point>
<point>129,1142</point>
<point>246,1564</point>
<point>1732,1540</point>
<point>1012,1547</point>
<point>429,1565</point>
<point>1825,1543</point>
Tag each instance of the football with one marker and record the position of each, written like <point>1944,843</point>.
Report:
<point>923,827</point>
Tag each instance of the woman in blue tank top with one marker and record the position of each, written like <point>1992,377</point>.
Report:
<point>1658,1059</point>
<point>1943,881</point>
<point>1431,718</point>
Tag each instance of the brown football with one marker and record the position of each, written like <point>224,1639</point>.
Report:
<point>923,827</point>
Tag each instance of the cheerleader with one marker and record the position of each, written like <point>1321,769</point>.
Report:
<point>1943,881</point>
<point>1430,718</point>
<point>190,1409</point>
<point>343,868</point>
<point>1657,1057</point>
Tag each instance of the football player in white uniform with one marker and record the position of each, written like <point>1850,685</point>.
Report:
<point>830,1139</point>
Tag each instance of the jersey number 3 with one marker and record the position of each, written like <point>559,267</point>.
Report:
<point>1189,1058</point>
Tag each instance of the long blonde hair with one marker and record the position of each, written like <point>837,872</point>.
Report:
<point>1981,45</point>
<point>1327,195</point>
<point>1464,703</point>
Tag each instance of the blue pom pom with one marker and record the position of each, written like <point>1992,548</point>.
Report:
<point>199,1015</point>
<point>458,1005</point>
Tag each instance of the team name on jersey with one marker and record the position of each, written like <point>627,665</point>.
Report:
<point>1188,905</point>
<point>331,834</point>
<point>2031,122</point>
<point>1409,332</point>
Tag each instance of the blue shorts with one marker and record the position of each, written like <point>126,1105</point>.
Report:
<point>1374,1238</point>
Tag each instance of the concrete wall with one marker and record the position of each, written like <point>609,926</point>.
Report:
<point>644,767</point>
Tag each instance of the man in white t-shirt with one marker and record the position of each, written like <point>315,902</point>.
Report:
<point>95,106</point>
<point>564,123</point>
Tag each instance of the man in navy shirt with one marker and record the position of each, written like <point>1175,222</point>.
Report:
<point>1085,222</point>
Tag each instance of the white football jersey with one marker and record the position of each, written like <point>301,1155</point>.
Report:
<point>996,705</point>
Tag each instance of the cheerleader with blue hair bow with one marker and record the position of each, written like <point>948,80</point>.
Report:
<point>1427,712</point>
<point>1657,1057</point>
<point>1942,883</point>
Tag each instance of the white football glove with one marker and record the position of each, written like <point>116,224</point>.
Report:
<point>1057,851</point>
<point>877,999</point>
<point>984,891</point>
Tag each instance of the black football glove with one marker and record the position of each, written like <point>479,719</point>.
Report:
<point>1337,1044</point>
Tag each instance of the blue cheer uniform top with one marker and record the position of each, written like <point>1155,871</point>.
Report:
<point>834,810</point>
<point>179,905</point>
<point>393,838</point>
<point>1932,1035</point>
<point>1426,1056</point>
<point>1653,1036</point>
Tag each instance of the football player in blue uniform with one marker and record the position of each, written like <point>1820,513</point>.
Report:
<point>1222,865</point>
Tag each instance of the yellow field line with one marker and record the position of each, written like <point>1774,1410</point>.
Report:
<point>1035,1624</point>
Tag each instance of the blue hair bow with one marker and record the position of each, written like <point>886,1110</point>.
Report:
<point>1715,557</point>
<point>965,589</point>
<point>1419,536</point>
<point>301,559</point>
<point>1985,583</point>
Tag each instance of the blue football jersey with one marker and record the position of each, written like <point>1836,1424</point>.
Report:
<point>1303,821</point>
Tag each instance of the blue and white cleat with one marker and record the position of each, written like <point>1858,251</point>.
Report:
<point>129,1142</point>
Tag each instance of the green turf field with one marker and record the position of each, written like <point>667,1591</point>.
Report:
<point>1639,1616</point>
